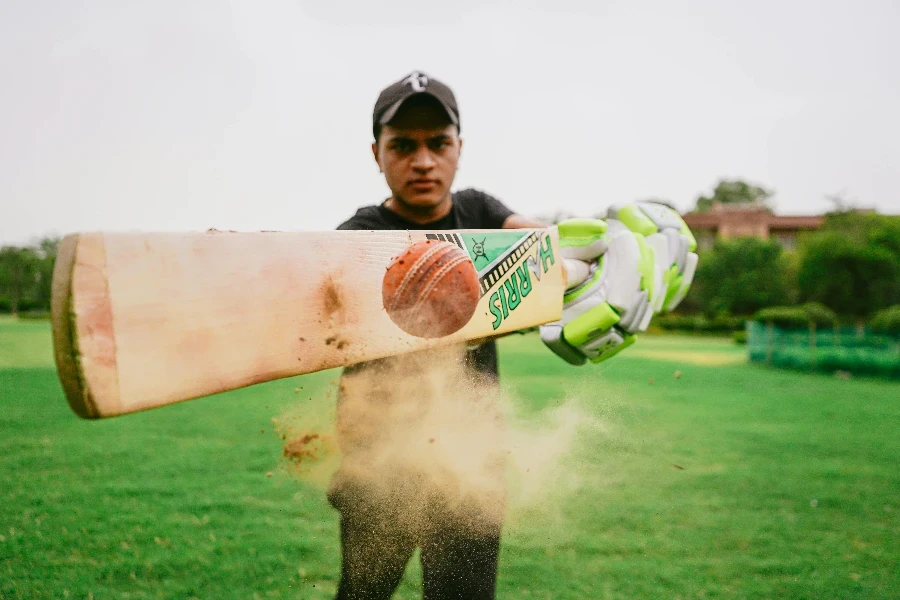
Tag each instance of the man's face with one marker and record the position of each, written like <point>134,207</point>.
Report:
<point>419,154</point>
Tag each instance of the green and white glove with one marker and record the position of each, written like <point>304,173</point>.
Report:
<point>621,271</point>
<point>675,248</point>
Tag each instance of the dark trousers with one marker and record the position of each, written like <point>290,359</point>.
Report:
<point>391,503</point>
<point>458,562</point>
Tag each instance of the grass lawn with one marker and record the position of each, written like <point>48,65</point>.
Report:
<point>687,474</point>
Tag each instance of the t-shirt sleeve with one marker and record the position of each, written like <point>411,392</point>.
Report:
<point>351,224</point>
<point>493,213</point>
<point>366,218</point>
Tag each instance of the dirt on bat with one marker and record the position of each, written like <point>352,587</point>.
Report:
<point>331,296</point>
<point>336,341</point>
<point>331,293</point>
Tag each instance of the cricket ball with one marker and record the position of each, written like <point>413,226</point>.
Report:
<point>431,290</point>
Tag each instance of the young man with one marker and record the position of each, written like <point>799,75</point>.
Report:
<point>617,278</point>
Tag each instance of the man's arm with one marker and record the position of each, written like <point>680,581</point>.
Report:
<point>519,222</point>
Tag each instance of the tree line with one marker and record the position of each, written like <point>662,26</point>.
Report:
<point>26,275</point>
<point>851,266</point>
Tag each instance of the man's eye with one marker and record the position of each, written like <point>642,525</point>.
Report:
<point>403,147</point>
<point>439,144</point>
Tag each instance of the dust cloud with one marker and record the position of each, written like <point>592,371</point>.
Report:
<point>421,427</point>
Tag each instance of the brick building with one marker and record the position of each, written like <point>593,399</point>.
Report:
<point>743,220</point>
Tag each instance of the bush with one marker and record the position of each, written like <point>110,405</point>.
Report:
<point>820,314</point>
<point>887,320</point>
<point>831,349</point>
<point>741,276</point>
<point>699,323</point>
<point>852,263</point>
<point>35,315</point>
<point>797,316</point>
<point>739,337</point>
<point>25,305</point>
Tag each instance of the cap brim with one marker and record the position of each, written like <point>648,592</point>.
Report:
<point>391,112</point>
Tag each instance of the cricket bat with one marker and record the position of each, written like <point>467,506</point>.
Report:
<point>144,320</point>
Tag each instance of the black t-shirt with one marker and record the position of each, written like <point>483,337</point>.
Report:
<point>472,209</point>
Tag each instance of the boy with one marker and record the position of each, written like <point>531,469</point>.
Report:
<point>388,508</point>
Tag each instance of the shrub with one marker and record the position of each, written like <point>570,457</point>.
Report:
<point>797,316</point>
<point>820,314</point>
<point>699,323</point>
<point>25,305</point>
<point>887,320</point>
<point>35,315</point>
<point>741,276</point>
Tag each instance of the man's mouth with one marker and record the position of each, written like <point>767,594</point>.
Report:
<point>423,185</point>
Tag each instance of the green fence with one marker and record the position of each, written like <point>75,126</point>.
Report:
<point>818,349</point>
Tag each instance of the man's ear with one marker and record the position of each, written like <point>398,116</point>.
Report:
<point>375,155</point>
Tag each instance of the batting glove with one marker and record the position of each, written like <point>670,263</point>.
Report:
<point>620,273</point>
<point>674,247</point>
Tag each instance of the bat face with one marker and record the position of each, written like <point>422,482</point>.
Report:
<point>145,320</point>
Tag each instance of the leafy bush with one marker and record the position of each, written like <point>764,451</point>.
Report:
<point>739,337</point>
<point>830,349</point>
<point>820,314</point>
<point>699,323</point>
<point>26,274</point>
<point>887,320</point>
<point>861,361</point>
<point>25,305</point>
<point>797,316</point>
<point>741,276</point>
<point>35,315</point>
<point>852,263</point>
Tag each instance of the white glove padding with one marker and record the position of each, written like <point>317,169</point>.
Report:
<point>673,243</point>
<point>612,278</point>
<point>621,272</point>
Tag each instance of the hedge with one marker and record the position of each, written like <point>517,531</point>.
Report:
<point>699,323</point>
<point>797,316</point>
<point>887,320</point>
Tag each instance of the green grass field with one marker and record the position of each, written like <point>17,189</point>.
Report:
<point>728,481</point>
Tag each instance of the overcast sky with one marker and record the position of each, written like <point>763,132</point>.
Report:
<point>185,115</point>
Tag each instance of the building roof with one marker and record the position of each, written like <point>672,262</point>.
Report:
<point>750,219</point>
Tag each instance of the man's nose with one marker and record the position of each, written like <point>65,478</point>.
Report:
<point>423,159</point>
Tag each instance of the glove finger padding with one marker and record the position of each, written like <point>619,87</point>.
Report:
<point>620,272</point>
<point>577,271</point>
<point>673,243</point>
<point>601,312</point>
<point>583,239</point>
<point>680,284</point>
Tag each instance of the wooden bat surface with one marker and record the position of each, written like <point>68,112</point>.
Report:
<point>150,319</point>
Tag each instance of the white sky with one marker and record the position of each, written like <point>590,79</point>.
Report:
<point>185,115</point>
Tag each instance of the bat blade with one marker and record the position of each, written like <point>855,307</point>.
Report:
<point>143,320</point>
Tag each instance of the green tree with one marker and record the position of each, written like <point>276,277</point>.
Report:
<point>18,268</point>
<point>852,264</point>
<point>887,320</point>
<point>741,276</point>
<point>734,191</point>
<point>46,253</point>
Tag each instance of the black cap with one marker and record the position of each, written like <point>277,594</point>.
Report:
<point>393,96</point>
